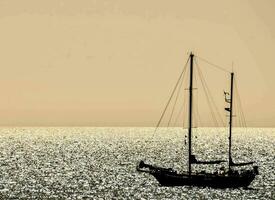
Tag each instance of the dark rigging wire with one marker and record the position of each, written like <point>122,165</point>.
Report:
<point>172,94</point>
<point>178,92</point>
<point>205,87</point>
<point>209,98</point>
<point>214,65</point>
<point>240,104</point>
<point>182,108</point>
<point>199,122</point>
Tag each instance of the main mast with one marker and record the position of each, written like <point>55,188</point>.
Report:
<point>190,115</point>
<point>230,119</point>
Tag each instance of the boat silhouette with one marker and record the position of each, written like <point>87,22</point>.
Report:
<point>229,178</point>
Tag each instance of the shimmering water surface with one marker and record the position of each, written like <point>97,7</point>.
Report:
<point>94,163</point>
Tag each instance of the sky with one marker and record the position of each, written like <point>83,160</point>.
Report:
<point>114,63</point>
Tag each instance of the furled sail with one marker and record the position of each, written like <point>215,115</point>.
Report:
<point>239,164</point>
<point>195,161</point>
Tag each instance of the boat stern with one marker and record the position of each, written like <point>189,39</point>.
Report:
<point>256,170</point>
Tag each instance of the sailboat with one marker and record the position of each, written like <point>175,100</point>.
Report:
<point>229,178</point>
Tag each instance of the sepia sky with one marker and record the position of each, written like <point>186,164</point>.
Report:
<point>114,63</point>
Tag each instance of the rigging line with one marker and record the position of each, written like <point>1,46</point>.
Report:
<point>181,109</point>
<point>207,97</point>
<point>172,94</point>
<point>236,120</point>
<point>212,99</point>
<point>197,104</point>
<point>239,99</point>
<point>239,106</point>
<point>214,65</point>
<point>238,116</point>
<point>178,92</point>
<point>240,112</point>
<point>203,82</point>
<point>234,115</point>
<point>199,121</point>
<point>195,100</point>
<point>183,106</point>
<point>199,118</point>
<point>242,119</point>
<point>243,116</point>
<point>208,101</point>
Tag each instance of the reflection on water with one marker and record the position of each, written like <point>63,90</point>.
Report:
<point>85,163</point>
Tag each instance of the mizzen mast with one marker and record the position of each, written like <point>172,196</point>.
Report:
<point>230,110</point>
<point>190,116</point>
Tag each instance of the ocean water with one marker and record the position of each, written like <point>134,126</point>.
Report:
<point>100,163</point>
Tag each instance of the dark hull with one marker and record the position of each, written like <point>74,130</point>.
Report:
<point>166,178</point>
<point>229,179</point>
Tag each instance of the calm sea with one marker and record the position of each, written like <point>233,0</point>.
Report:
<point>100,163</point>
